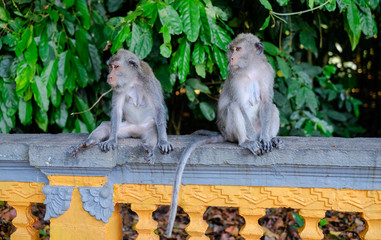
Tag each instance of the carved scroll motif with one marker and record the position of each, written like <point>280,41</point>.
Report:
<point>57,200</point>
<point>97,201</point>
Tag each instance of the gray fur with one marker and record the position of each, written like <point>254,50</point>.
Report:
<point>137,108</point>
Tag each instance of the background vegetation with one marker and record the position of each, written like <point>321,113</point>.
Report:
<point>52,56</point>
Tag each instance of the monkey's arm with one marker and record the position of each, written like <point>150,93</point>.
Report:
<point>116,118</point>
<point>161,124</point>
<point>265,115</point>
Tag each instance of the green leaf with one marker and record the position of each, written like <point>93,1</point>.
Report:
<point>183,59</point>
<point>310,3</point>
<point>353,20</point>
<point>221,61</point>
<point>190,16</point>
<point>200,70</point>
<point>163,73</point>
<point>83,9</point>
<point>4,14</point>
<point>63,70</point>
<point>87,117</point>
<point>25,111</point>
<point>41,119</point>
<point>5,65</point>
<point>266,4</point>
<point>61,115</point>
<point>368,24</point>
<point>31,54</point>
<point>207,111</point>
<point>149,10</point>
<point>68,3</point>
<point>283,2</point>
<point>190,93</point>
<point>198,54</point>
<point>49,75</point>
<point>95,62</point>
<point>82,76</point>
<point>323,222</point>
<point>80,127</point>
<point>141,39</point>
<point>298,219</point>
<point>24,77</point>
<point>82,45</point>
<point>338,116</point>
<point>166,50</point>
<point>284,68</point>
<point>114,5</point>
<point>169,17</point>
<point>120,38</point>
<point>300,98</point>
<point>197,85</point>
<point>265,24</point>
<point>271,49</point>
<point>40,94</point>
<point>26,38</point>
<point>9,98</point>
<point>331,6</point>
<point>310,100</point>
<point>55,97</point>
<point>308,41</point>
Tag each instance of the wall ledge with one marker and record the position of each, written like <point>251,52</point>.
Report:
<point>304,162</point>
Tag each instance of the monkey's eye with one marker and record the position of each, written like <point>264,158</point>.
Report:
<point>238,49</point>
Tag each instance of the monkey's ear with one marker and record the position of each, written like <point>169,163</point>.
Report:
<point>259,47</point>
<point>133,62</point>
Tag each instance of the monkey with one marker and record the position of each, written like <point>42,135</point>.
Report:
<point>245,113</point>
<point>137,108</point>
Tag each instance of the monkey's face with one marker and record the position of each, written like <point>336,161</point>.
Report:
<point>115,73</point>
<point>236,57</point>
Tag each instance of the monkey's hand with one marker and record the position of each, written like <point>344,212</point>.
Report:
<point>254,146</point>
<point>106,146</point>
<point>165,146</point>
<point>267,145</point>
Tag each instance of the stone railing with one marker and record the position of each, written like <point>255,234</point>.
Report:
<point>82,194</point>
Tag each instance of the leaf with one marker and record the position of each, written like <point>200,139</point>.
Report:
<point>83,9</point>
<point>141,39</point>
<point>163,75</point>
<point>61,115</point>
<point>198,54</point>
<point>310,100</point>
<point>24,77</point>
<point>265,24</point>
<point>283,2</point>
<point>4,14</point>
<point>63,70</point>
<point>298,219</point>
<point>338,116</point>
<point>120,38</point>
<point>80,127</point>
<point>166,50</point>
<point>68,3</point>
<point>207,111</point>
<point>114,5</point>
<point>41,119</point>
<point>87,117</point>
<point>221,61</point>
<point>284,68</point>
<point>31,54</point>
<point>169,17</point>
<point>310,3</point>
<point>49,75</point>
<point>300,99</point>
<point>190,16</point>
<point>368,24</point>
<point>271,49</point>
<point>266,4</point>
<point>331,6</point>
<point>82,45</point>
<point>95,62</point>
<point>323,222</point>
<point>308,41</point>
<point>82,76</point>
<point>25,111</point>
<point>26,38</point>
<point>200,70</point>
<point>40,94</point>
<point>197,85</point>
<point>353,20</point>
<point>55,97</point>
<point>5,65</point>
<point>183,59</point>
<point>190,93</point>
<point>9,98</point>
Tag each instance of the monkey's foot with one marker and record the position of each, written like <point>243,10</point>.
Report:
<point>254,147</point>
<point>267,146</point>
<point>82,146</point>
<point>277,142</point>
<point>108,145</point>
<point>165,146</point>
<point>150,158</point>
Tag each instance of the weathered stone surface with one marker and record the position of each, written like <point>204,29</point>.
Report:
<point>303,162</point>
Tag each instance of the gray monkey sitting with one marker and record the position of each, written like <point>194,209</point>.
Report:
<point>246,113</point>
<point>137,108</point>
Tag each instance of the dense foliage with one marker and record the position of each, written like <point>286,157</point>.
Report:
<point>52,56</point>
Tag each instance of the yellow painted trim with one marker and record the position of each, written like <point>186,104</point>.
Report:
<point>80,181</point>
<point>21,192</point>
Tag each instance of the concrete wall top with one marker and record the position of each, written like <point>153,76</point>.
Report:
<point>303,162</point>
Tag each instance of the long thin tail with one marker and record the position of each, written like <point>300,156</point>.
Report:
<point>179,174</point>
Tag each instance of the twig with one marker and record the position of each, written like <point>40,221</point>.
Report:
<point>93,104</point>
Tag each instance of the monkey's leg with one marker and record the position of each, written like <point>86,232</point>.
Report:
<point>269,119</point>
<point>149,142</point>
<point>239,125</point>
<point>101,133</point>
<point>275,141</point>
